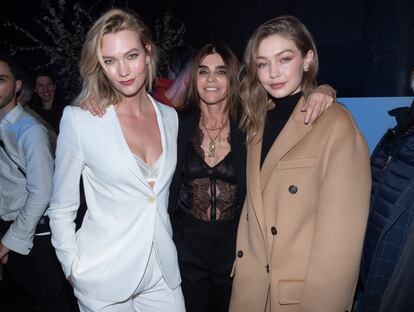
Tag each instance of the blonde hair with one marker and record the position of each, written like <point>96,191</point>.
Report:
<point>255,100</point>
<point>91,66</point>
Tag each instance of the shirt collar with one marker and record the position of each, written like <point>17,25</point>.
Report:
<point>13,115</point>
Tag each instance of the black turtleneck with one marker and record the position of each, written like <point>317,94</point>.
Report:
<point>276,119</point>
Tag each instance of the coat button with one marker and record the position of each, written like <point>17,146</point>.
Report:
<point>267,268</point>
<point>293,189</point>
<point>273,230</point>
<point>240,253</point>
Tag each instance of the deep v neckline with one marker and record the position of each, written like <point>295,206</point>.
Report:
<point>200,152</point>
<point>115,133</point>
<point>145,163</point>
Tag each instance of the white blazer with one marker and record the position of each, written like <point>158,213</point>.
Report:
<point>106,258</point>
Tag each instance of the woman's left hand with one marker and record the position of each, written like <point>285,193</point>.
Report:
<point>318,102</point>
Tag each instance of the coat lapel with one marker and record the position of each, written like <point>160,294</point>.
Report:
<point>168,152</point>
<point>292,133</point>
<point>253,184</point>
<point>112,131</point>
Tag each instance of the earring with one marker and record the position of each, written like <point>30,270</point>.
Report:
<point>305,69</point>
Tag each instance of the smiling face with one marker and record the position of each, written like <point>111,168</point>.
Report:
<point>45,89</point>
<point>212,81</point>
<point>280,66</point>
<point>125,60</point>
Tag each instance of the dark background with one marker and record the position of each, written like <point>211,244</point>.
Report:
<point>366,47</point>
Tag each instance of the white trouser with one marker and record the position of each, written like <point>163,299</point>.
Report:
<point>151,295</point>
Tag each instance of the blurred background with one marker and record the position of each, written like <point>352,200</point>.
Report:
<point>366,47</point>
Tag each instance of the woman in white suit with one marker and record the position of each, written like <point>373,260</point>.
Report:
<point>123,257</point>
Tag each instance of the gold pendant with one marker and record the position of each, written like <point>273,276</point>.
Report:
<point>211,148</point>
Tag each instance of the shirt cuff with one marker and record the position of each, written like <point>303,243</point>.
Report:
<point>21,246</point>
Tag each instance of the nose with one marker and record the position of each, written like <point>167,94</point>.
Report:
<point>123,69</point>
<point>274,70</point>
<point>211,76</point>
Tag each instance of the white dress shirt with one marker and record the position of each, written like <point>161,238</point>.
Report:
<point>23,199</point>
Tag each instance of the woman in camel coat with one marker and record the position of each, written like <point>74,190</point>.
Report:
<point>302,227</point>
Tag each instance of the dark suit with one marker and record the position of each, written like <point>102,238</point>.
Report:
<point>205,250</point>
<point>391,215</point>
<point>398,296</point>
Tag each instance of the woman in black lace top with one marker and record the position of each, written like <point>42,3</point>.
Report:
<point>208,187</point>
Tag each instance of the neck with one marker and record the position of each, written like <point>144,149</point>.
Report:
<point>135,105</point>
<point>48,105</point>
<point>213,116</point>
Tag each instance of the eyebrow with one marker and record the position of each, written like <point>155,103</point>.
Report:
<point>279,53</point>
<point>4,76</point>
<point>126,53</point>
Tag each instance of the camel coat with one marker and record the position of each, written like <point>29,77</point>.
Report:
<point>303,222</point>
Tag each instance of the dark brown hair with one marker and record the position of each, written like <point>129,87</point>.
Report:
<point>191,97</point>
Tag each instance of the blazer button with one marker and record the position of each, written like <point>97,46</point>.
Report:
<point>267,268</point>
<point>151,199</point>
<point>240,253</point>
<point>273,230</point>
<point>293,189</point>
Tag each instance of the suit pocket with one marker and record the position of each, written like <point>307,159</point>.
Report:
<point>296,163</point>
<point>290,291</point>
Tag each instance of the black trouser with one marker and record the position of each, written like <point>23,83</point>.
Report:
<point>206,252</point>
<point>39,274</point>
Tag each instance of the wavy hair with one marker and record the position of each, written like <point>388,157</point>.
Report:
<point>255,99</point>
<point>95,82</point>
<point>191,97</point>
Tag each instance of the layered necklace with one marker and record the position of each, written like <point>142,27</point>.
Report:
<point>212,144</point>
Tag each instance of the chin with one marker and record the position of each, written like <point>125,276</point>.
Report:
<point>131,91</point>
<point>279,94</point>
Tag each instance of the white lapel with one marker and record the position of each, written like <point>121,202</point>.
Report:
<point>165,131</point>
<point>112,131</point>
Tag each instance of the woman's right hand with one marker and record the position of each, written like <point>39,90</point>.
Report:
<point>89,104</point>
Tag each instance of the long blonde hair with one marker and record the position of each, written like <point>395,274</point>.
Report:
<point>91,66</point>
<point>255,100</point>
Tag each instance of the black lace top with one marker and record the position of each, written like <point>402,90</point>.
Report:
<point>208,193</point>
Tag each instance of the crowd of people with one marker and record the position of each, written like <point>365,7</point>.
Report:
<point>223,187</point>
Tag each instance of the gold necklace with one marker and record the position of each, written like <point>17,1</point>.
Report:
<point>212,144</point>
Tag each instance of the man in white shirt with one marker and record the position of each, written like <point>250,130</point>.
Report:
<point>26,170</point>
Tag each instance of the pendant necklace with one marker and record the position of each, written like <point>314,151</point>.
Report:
<point>212,144</point>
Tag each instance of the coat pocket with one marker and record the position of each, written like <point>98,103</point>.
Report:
<point>296,163</point>
<point>290,291</point>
